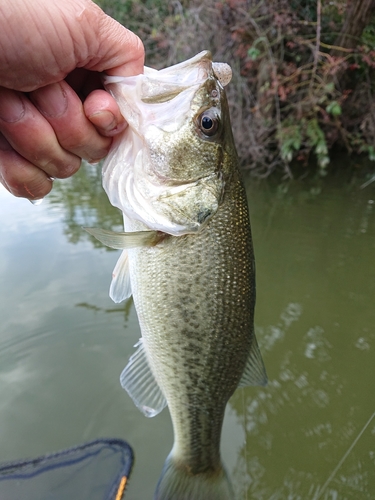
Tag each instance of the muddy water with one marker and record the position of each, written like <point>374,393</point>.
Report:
<point>309,435</point>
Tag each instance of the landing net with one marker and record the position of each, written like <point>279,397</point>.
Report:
<point>97,470</point>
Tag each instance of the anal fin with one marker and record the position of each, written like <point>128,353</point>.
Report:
<point>139,382</point>
<point>255,371</point>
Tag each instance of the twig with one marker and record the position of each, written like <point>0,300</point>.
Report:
<point>317,45</point>
<point>333,473</point>
<point>335,47</point>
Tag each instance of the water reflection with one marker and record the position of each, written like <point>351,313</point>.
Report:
<point>298,430</point>
<point>124,309</point>
<point>83,202</point>
<point>309,435</point>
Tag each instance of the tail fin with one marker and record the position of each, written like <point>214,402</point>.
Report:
<point>177,483</point>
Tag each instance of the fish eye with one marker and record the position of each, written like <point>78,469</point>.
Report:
<point>209,122</point>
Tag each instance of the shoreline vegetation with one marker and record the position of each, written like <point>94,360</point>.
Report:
<point>303,71</point>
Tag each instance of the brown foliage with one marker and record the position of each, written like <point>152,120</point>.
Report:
<point>294,93</point>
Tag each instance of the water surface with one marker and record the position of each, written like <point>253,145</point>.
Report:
<point>63,343</point>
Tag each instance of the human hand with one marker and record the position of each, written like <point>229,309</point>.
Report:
<point>53,111</point>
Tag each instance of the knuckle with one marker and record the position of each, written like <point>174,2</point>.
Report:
<point>36,188</point>
<point>87,145</point>
<point>79,139</point>
<point>75,139</point>
<point>23,179</point>
<point>140,47</point>
<point>63,170</point>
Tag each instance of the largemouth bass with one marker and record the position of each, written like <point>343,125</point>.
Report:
<point>188,261</point>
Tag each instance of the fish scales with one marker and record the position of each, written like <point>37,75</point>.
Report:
<point>194,297</point>
<point>188,261</point>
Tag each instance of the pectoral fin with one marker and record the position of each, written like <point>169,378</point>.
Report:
<point>120,288</point>
<point>139,382</point>
<point>124,240</point>
<point>255,371</point>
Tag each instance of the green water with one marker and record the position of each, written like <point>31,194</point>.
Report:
<point>309,435</point>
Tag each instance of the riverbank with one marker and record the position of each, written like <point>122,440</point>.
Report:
<point>295,93</point>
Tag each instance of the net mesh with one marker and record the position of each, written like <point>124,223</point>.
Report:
<point>97,470</point>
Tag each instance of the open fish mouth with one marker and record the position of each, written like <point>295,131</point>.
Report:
<point>164,85</point>
<point>164,171</point>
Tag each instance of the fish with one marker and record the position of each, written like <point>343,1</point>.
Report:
<point>187,258</point>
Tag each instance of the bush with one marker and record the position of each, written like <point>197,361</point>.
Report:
<point>294,93</point>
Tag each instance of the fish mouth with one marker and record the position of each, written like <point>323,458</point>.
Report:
<point>172,187</point>
<point>164,96</point>
<point>181,184</point>
<point>138,177</point>
<point>167,90</point>
<point>168,87</point>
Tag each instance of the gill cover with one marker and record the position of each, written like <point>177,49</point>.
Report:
<point>163,170</point>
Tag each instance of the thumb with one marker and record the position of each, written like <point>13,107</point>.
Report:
<point>121,52</point>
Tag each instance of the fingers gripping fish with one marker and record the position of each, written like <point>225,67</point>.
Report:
<point>188,261</point>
